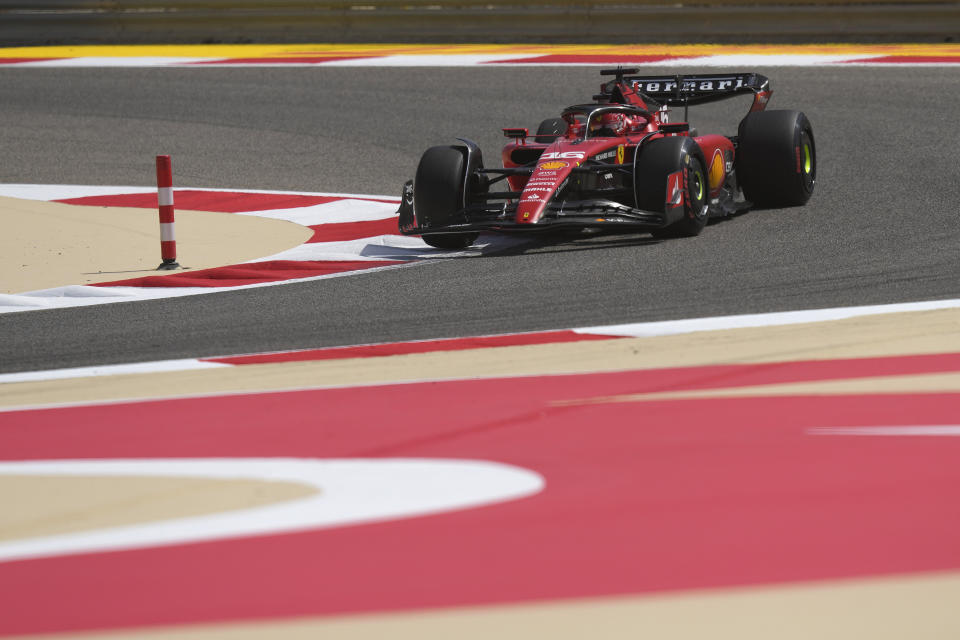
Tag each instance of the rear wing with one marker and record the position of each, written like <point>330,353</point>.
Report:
<point>693,89</point>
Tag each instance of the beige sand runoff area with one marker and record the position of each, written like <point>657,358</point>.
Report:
<point>68,504</point>
<point>918,607</point>
<point>48,244</point>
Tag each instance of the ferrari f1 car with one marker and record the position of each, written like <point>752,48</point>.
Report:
<point>618,163</point>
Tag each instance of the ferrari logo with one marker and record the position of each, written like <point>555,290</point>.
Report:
<point>526,215</point>
<point>620,154</point>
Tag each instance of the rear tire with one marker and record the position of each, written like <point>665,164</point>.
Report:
<point>550,129</point>
<point>438,195</point>
<point>776,158</point>
<point>657,161</point>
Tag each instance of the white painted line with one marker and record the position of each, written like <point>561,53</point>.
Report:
<point>157,366</point>
<point>65,191</point>
<point>435,60</point>
<point>505,59</point>
<point>81,295</point>
<point>351,492</point>
<point>911,430</point>
<point>675,327</point>
<point>876,65</point>
<point>391,247</point>
<point>366,197</point>
<point>346,210</point>
<point>124,61</point>
<point>750,60</point>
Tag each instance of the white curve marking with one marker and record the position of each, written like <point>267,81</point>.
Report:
<point>908,430</point>
<point>63,191</point>
<point>338,211</point>
<point>780,60</point>
<point>158,366</point>
<point>51,192</point>
<point>775,319</point>
<point>392,247</point>
<point>504,59</point>
<point>99,62</point>
<point>82,295</point>
<point>352,491</point>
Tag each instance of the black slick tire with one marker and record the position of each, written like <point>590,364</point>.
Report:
<point>438,195</point>
<point>776,158</point>
<point>659,159</point>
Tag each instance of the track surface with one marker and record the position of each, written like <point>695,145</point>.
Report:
<point>880,228</point>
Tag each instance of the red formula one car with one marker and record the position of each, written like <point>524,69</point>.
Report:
<point>618,163</point>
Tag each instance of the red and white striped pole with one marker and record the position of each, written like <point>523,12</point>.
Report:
<point>168,241</point>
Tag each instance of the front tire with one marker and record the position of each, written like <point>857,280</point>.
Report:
<point>776,159</point>
<point>438,195</point>
<point>658,160</point>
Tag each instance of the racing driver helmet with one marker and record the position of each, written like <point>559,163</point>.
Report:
<point>608,125</point>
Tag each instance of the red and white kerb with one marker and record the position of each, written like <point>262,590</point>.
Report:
<point>168,242</point>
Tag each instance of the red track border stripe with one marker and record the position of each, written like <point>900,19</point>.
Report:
<point>252,273</point>
<point>587,58</point>
<point>22,60</point>
<point>306,59</point>
<point>909,60</point>
<point>345,231</point>
<point>219,201</point>
<point>403,348</point>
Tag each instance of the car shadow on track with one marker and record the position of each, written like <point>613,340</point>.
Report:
<point>591,239</point>
<point>567,242</point>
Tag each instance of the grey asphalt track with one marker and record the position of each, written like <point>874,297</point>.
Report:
<point>882,226</point>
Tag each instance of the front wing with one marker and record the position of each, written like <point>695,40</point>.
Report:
<point>501,217</point>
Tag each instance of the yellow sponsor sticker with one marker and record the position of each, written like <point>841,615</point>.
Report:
<point>554,165</point>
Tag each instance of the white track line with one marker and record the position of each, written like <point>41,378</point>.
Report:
<point>83,295</point>
<point>349,491</point>
<point>906,430</point>
<point>673,327</point>
<point>493,60</point>
<point>635,330</point>
<point>50,192</point>
<point>157,366</point>
<point>339,211</point>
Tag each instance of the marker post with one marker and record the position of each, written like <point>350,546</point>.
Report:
<point>168,242</point>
